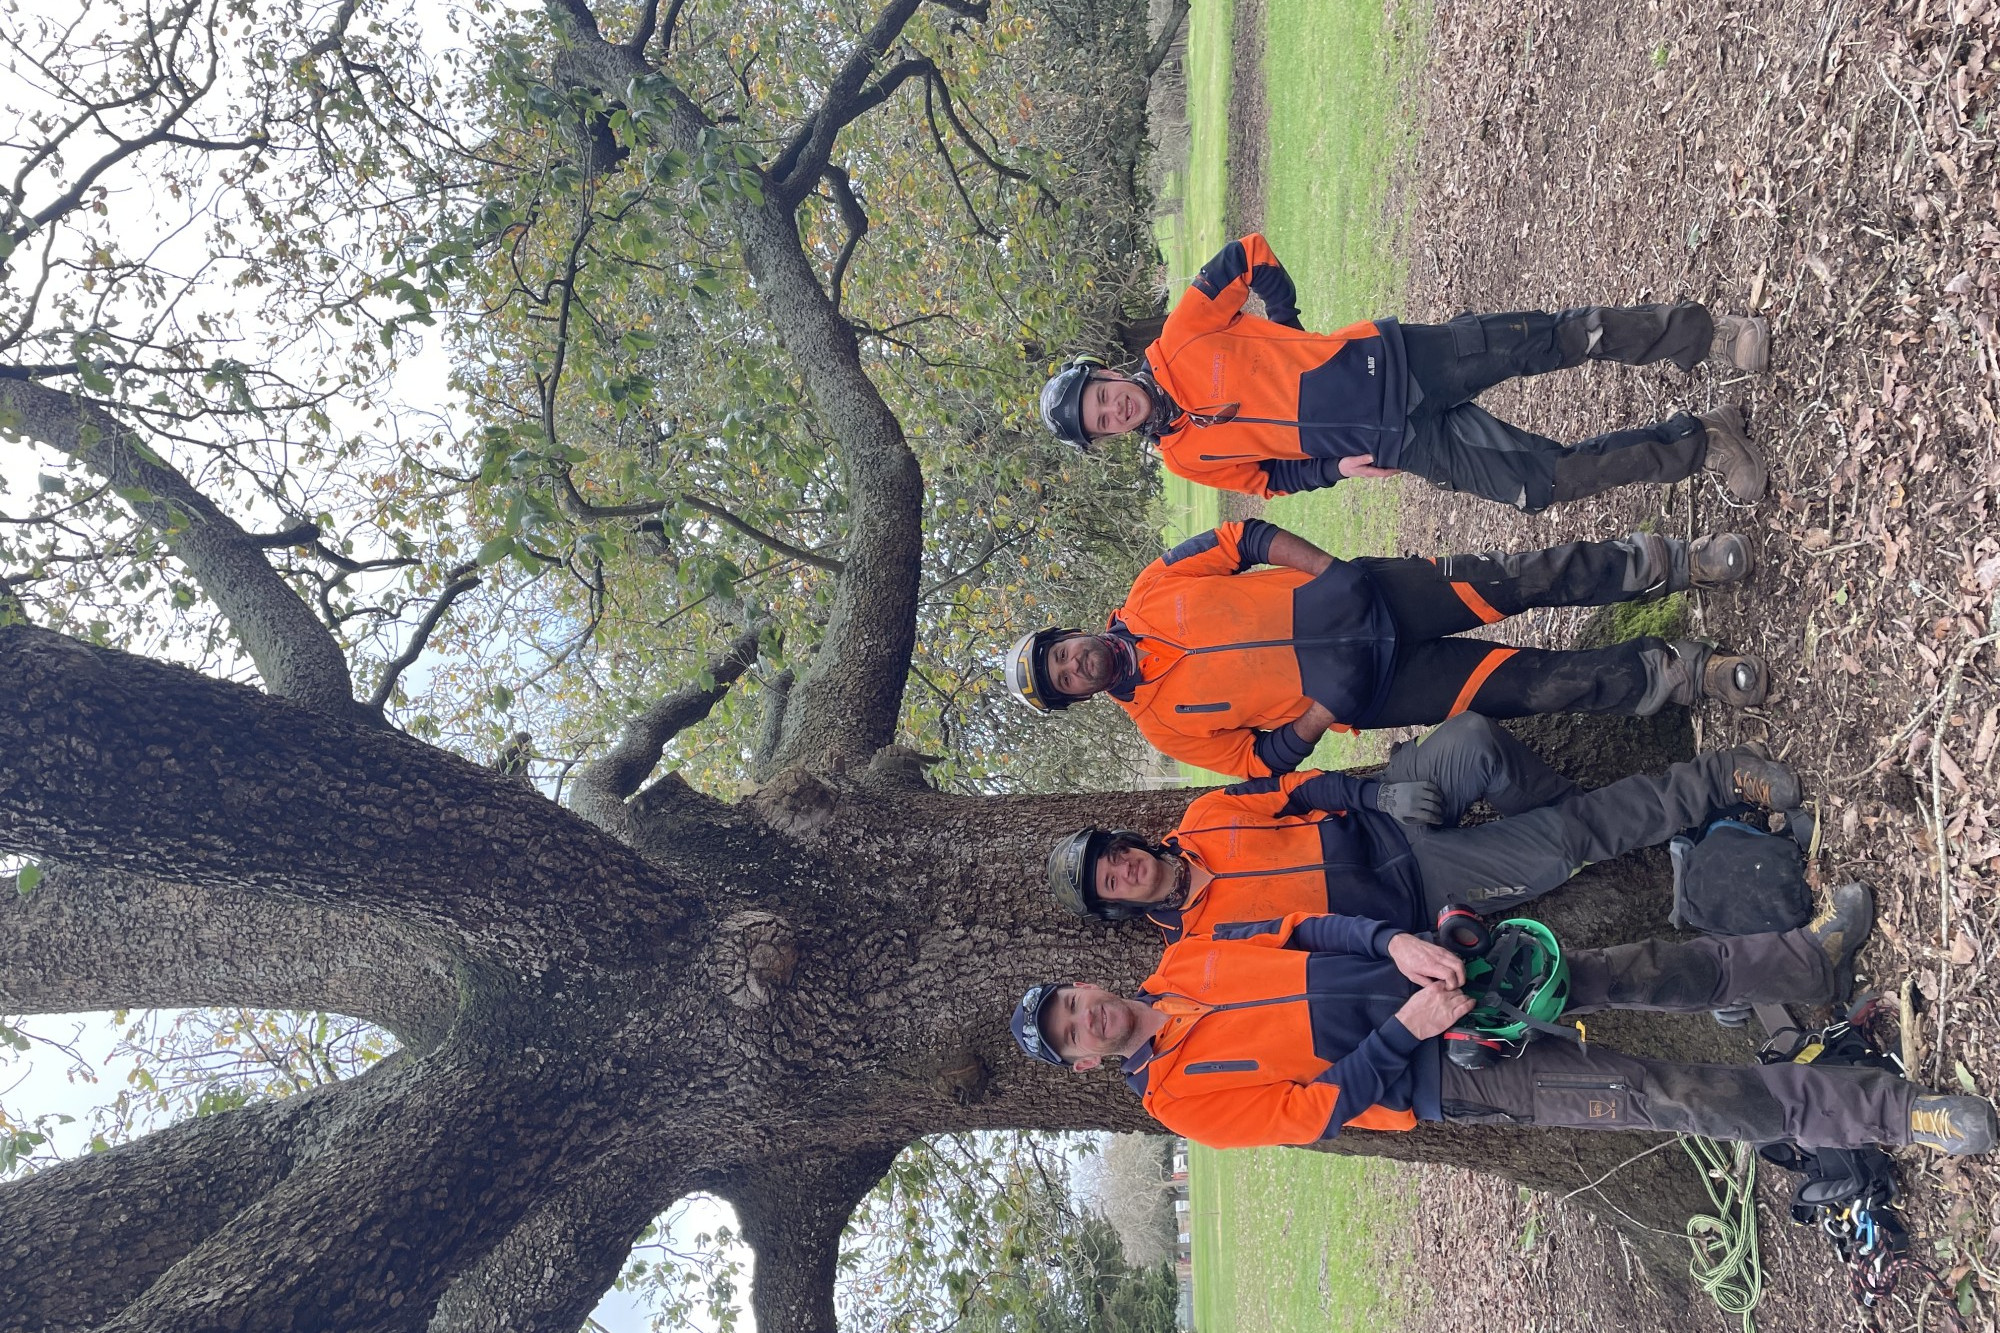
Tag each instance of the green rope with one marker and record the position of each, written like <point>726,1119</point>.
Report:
<point>1725,1262</point>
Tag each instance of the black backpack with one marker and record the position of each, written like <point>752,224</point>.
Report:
<point>1732,878</point>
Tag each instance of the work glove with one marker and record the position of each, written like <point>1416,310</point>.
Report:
<point>1411,802</point>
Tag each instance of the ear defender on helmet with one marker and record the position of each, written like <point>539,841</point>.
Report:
<point>1062,401</point>
<point>1027,679</point>
<point>1073,873</point>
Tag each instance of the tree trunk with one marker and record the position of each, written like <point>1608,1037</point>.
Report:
<point>844,953</point>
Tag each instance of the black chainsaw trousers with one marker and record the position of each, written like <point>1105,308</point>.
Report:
<point>1437,673</point>
<point>1458,445</point>
<point>1558,1083</point>
<point>1549,827</point>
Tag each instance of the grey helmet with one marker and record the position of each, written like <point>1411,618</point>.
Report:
<point>1062,401</point>
<point>1073,869</point>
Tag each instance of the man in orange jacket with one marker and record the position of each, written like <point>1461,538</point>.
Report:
<point>1335,1023</point>
<point>1265,407</point>
<point>1245,857</point>
<point>1242,670</point>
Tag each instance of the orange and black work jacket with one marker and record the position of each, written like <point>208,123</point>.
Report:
<point>1298,843</point>
<point>1266,407</point>
<point>1286,1038</point>
<point>1220,656</point>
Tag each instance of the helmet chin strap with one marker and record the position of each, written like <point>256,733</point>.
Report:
<point>1178,893</point>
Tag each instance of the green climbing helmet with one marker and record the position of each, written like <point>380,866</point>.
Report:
<point>1519,981</point>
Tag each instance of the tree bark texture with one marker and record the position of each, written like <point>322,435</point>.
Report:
<point>766,999</point>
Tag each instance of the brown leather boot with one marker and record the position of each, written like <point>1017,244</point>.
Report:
<point>1699,672</point>
<point>1668,564</point>
<point>1741,342</point>
<point>1730,453</point>
<point>1762,780</point>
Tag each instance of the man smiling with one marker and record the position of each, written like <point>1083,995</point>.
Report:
<point>1333,1022</point>
<point>1241,670</point>
<point>1263,406</point>
<point>1245,856</point>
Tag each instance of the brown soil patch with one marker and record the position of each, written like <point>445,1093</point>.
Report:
<point>1831,167</point>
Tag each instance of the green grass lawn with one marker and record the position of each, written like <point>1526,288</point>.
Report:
<point>1334,75</point>
<point>1287,1240</point>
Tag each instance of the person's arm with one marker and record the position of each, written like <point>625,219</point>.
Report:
<point>1290,476</point>
<point>1283,749</point>
<point>1295,552</point>
<point>1216,295</point>
<point>1254,1117</point>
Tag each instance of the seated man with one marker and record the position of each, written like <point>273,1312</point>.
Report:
<point>1262,406</point>
<point>1336,1020</point>
<point>1242,670</point>
<point>1244,857</point>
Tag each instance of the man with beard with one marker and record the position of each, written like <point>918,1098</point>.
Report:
<point>1265,407</point>
<point>1241,670</point>
<point>1390,848</point>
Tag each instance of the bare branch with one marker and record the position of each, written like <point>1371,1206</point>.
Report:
<point>966,137</point>
<point>300,534</point>
<point>293,652</point>
<point>778,544</point>
<point>571,502</point>
<point>1163,45</point>
<point>462,581</point>
<point>336,32</point>
<point>811,146</point>
<point>604,785</point>
<point>856,219</point>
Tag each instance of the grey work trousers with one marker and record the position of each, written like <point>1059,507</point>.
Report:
<point>1556,1083</point>
<point>1549,827</point>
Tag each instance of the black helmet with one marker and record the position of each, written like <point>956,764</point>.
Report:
<point>1062,401</point>
<point>1073,869</point>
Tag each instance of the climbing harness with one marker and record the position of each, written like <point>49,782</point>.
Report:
<point>1849,1194</point>
<point>1518,979</point>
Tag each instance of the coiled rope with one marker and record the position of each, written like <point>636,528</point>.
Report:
<point>1725,1261</point>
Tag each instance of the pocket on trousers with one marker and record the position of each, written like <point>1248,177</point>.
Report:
<point>1468,334</point>
<point>1583,1102</point>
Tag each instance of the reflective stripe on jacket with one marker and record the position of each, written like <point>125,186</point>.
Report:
<point>1316,398</point>
<point>1227,652</point>
<point>1265,1044</point>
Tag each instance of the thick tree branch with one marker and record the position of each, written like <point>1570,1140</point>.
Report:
<point>296,655</point>
<point>354,1238</point>
<point>81,1241</point>
<point>94,940</point>
<point>462,581</point>
<point>849,698</point>
<point>155,770</point>
<point>854,217</point>
<point>792,1216</point>
<point>552,1269</point>
<point>757,534</point>
<point>601,788</point>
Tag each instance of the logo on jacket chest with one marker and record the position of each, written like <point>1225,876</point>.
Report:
<point>1215,373</point>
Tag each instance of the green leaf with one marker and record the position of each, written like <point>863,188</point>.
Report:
<point>25,881</point>
<point>49,485</point>
<point>495,550</point>
<point>1964,1077</point>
